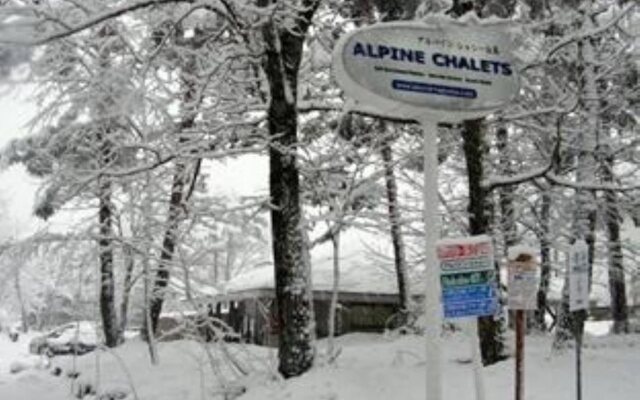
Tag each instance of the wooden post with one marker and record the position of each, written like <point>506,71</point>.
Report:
<point>520,327</point>
<point>523,288</point>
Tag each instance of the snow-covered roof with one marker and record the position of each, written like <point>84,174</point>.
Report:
<point>355,276</point>
<point>197,288</point>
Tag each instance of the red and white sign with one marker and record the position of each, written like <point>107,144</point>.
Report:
<point>447,251</point>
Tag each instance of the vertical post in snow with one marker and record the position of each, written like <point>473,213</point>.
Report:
<point>519,355</point>
<point>578,301</point>
<point>579,367</point>
<point>433,317</point>
<point>578,318</point>
<point>472,332</point>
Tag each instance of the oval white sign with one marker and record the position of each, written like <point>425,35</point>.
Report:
<point>409,67</point>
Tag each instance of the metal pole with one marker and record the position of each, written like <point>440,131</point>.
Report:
<point>519,354</point>
<point>578,320</point>
<point>579,367</point>
<point>433,307</point>
<point>472,331</point>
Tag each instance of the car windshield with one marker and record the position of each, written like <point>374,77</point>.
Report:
<point>60,330</point>
<point>83,332</point>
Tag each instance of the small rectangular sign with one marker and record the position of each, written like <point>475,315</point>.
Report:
<point>476,308</point>
<point>467,276</point>
<point>472,264</point>
<point>579,276</point>
<point>466,292</point>
<point>523,284</point>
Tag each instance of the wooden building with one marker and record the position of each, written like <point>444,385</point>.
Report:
<point>252,313</point>
<point>367,302</point>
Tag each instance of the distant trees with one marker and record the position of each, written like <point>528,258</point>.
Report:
<point>72,154</point>
<point>48,280</point>
<point>578,67</point>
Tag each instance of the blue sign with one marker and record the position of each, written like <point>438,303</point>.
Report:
<point>476,308</point>
<point>467,277</point>
<point>464,293</point>
<point>469,301</point>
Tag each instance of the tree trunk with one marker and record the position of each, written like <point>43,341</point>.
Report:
<point>399,258</point>
<point>335,241</point>
<point>104,192</point>
<point>216,267</point>
<point>127,286</point>
<point>24,318</point>
<point>105,245</point>
<point>617,285</point>
<point>544,236</point>
<point>184,177</point>
<point>230,257</point>
<point>489,328</point>
<point>545,261</point>
<point>169,241</point>
<point>147,329</point>
<point>281,63</point>
<point>507,212</point>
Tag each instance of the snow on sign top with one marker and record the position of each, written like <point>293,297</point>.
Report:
<point>467,247</point>
<point>514,252</point>
<point>408,68</point>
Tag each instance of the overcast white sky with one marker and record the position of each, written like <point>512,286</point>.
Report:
<point>246,176</point>
<point>240,177</point>
<point>17,188</point>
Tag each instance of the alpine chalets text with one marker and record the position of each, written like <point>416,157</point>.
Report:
<point>383,52</point>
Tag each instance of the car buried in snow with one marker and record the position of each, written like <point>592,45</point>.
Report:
<point>73,338</point>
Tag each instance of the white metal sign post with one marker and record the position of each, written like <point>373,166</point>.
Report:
<point>433,319</point>
<point>428,71</point>
<point>578,299</point>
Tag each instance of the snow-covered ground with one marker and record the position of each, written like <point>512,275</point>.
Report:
<point>370,367</point>
<point>13,353</point>
<point>396,370</point>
